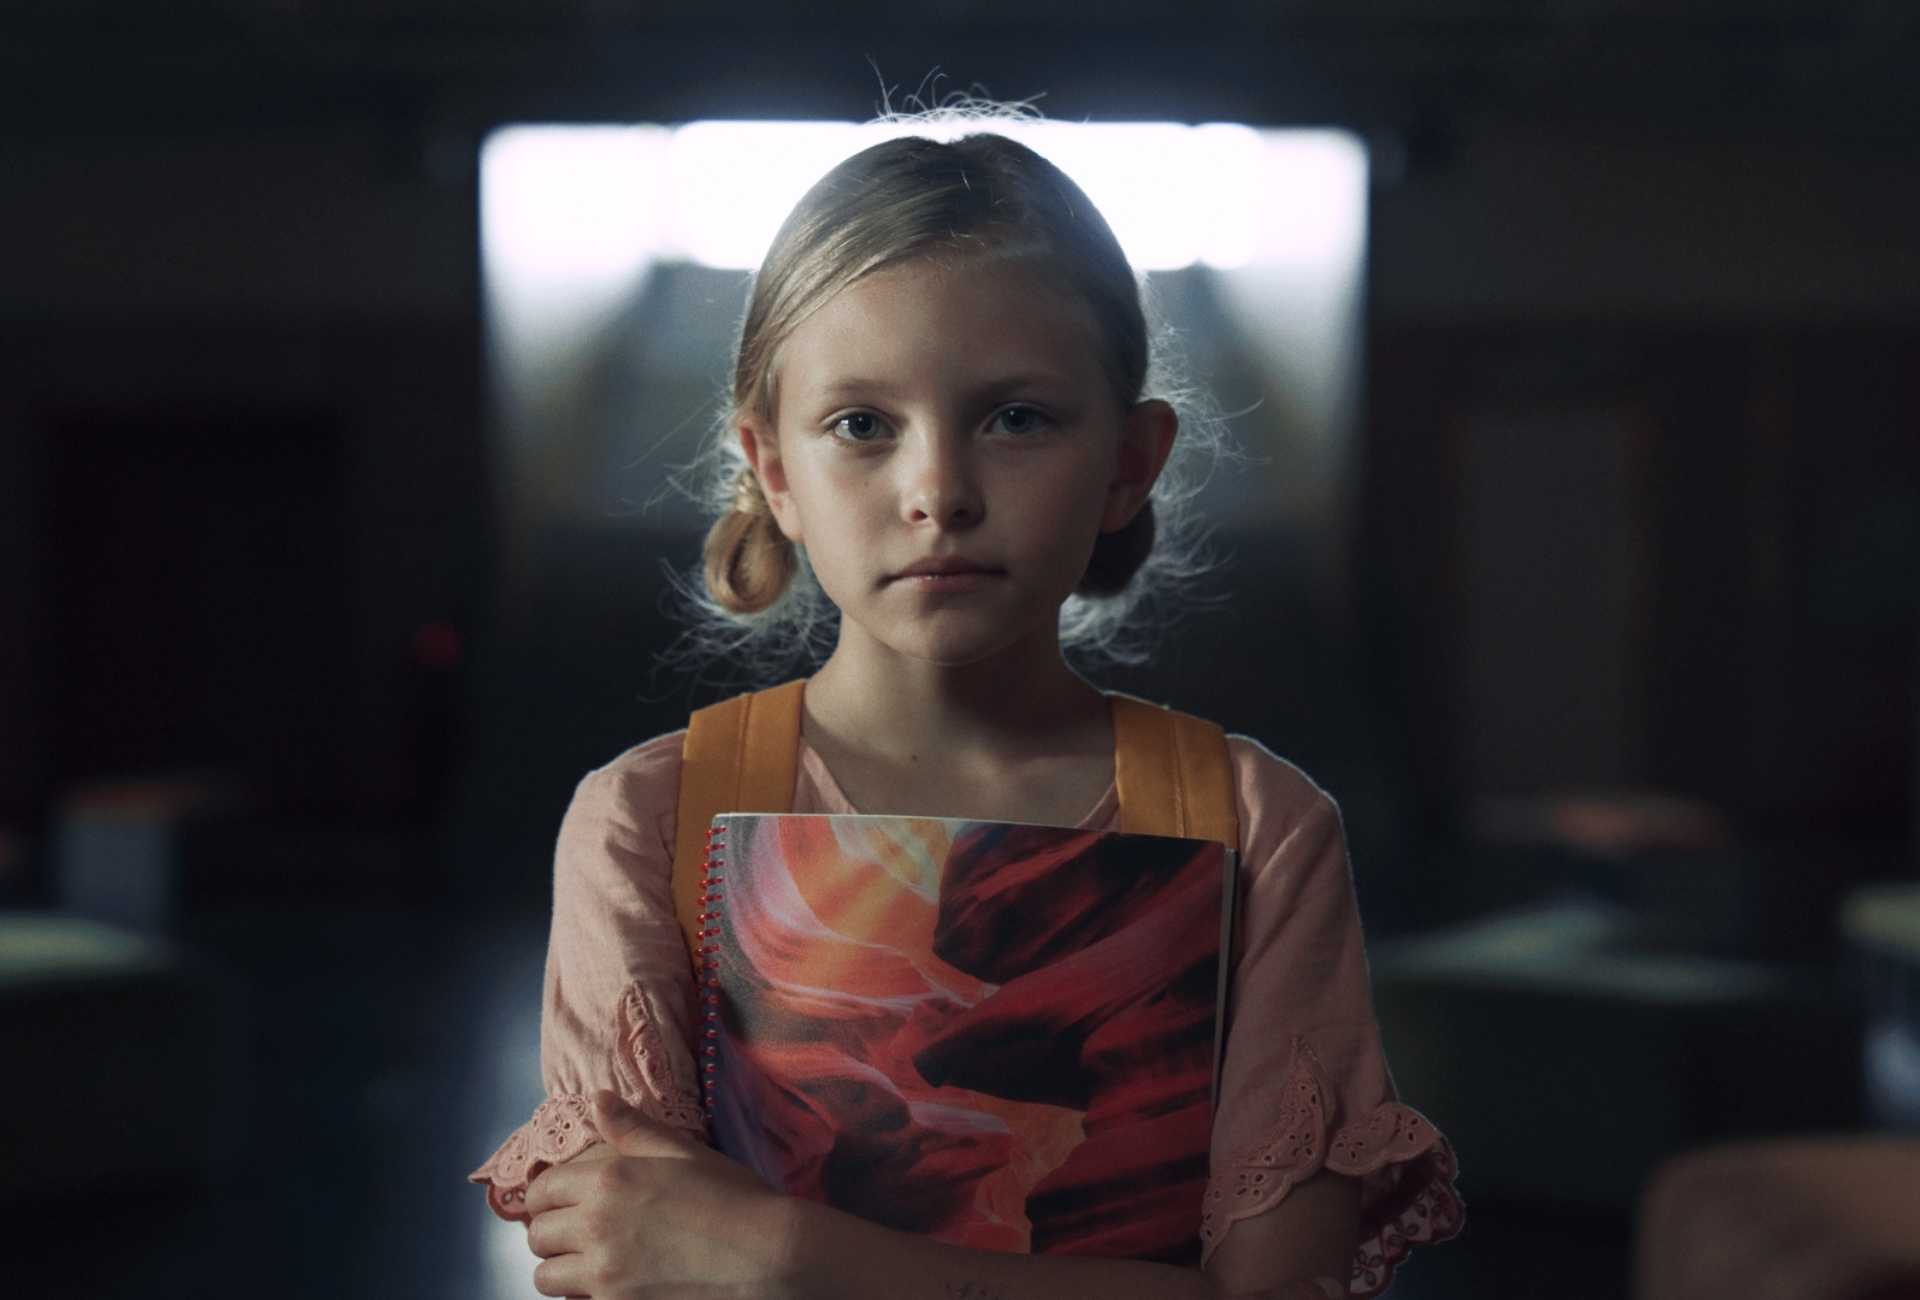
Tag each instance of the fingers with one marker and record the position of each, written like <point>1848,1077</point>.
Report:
<point>588,1176</point>
<point>558,1185</point>
<point>563,1275</point>
<point>558,1232</point>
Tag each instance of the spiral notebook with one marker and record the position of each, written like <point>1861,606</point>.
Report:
<point>1001,1035</point>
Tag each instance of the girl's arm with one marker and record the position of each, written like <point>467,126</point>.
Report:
<point>618,987</point>
<point>664,1210</point>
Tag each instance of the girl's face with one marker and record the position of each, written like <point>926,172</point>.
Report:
<point>947,446</point>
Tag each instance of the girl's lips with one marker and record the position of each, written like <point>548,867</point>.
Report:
<point>946,567</point>
<point>952,580</point>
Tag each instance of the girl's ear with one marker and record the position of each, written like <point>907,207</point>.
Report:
<point>1146,440</point>
<point>762,447</point>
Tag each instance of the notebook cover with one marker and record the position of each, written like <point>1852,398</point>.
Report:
<point>1001,1035</point>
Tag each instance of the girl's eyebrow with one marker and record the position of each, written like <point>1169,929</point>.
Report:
<point>856,386</point>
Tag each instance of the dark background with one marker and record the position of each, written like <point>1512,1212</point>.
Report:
<point>1619,647</point>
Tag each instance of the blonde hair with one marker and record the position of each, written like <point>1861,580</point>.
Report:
<point>912,198</point>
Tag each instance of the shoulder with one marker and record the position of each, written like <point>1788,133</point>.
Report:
<point>1271,790</point>
<point>1274,800</point>
<point>637,772</point>
<point>638,791</point>
<point>613,872</point>
<point>1285,816</point>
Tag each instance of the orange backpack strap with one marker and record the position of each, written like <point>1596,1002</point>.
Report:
<point>1171,770</point>
<point>1173,774</point>
<point>740,755</point>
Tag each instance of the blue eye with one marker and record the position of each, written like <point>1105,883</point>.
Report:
<point>1022,420</point>
<point>860,426</point>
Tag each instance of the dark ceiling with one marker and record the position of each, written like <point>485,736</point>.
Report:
<point>1841,72</point>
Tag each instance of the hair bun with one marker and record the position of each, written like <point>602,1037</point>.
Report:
<point>748,560</point>
<point>748,499</point>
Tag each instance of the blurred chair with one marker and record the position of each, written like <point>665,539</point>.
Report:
<point>119,847</point>
<point>1809,1219</point>
<point>152,853</point>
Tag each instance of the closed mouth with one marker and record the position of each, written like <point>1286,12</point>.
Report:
<point>946,568</point>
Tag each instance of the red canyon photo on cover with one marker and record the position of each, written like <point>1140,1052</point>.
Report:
<point>1000,1035</point>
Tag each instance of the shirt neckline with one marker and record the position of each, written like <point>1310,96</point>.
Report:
<point>1101,815</point>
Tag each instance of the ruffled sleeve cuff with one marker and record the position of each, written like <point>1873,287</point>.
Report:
<point>560,1129</point>
<point>1405,1166</point>
<point>562,1126</point>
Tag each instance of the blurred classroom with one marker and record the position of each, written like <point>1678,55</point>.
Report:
<point>1577,554</point>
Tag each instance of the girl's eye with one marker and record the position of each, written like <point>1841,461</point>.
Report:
<point>1021,420</point>
<point>861,426</point>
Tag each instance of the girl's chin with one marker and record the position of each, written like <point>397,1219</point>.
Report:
<point>954,655</point>
<point>959,635</point>
<point>956,648</point>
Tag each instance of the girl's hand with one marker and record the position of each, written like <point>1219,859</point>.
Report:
<point>662,1216</point>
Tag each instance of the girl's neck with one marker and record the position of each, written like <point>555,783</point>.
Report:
<point>1024,703</point>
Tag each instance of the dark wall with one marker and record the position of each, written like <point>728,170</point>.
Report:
<point>240,381</point>
<point>245,259</point>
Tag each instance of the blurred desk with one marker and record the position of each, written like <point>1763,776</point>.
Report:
<point>1566,1063</point>
<point>1882,928</point>
<point>121,1061</point>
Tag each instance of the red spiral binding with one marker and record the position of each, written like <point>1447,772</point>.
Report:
<point>710,879</point>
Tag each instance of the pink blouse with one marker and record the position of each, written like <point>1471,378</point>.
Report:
<point>1304,1082</point>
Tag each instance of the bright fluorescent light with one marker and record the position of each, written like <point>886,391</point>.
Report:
<point>572,205</point>
<point>568,204</point>
<point>1311,200</point>
<point>733,183</point>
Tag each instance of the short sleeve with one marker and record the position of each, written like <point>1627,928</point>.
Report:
<point>1304,1081</point>
<point>618,1000</point>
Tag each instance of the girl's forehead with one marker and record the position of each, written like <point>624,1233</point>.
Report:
<point>979,313</point>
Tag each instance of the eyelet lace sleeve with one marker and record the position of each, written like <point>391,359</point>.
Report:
<point>1405,1167</point>
<point>618,995</point>
<point>562,1126</point>
<point>1304,1082</point>
<point>646,1069</point>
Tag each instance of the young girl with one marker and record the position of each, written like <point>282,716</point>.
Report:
<point>940,421</point>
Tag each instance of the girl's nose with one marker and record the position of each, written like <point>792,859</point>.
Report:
<point>941,487</point>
